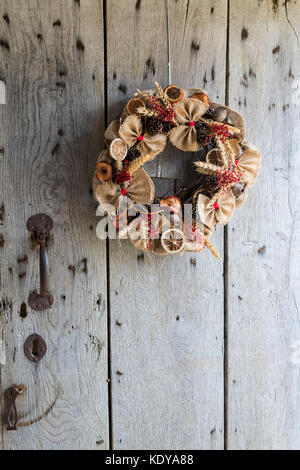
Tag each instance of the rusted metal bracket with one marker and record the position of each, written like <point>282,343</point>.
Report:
<point>35,348</point>
<point>12,393</point>
<point>40,225</point>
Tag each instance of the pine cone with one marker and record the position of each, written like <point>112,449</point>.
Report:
<point>209,113</point>
<point>200,125</point>
<point>209,184</point>
<point>167,126</point>
<point>132,154</point>
<point>154,126</point>
<point>203,133</point>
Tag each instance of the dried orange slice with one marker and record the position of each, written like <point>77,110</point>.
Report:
<point>202,97</point>
<point>134,104</point>
<point>173,240</point>
<point>104,171</point>
<point>118,149</point>
<point>214,157</point>
<point>174,93</point>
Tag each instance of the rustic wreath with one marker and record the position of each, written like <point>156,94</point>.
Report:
<point>226,167</point>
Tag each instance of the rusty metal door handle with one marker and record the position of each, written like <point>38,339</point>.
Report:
<point>12,415</point>
<point>40,225</point>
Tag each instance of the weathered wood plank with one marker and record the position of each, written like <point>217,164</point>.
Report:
<point>263,408</point>
<point>53,67</point>
<point>2,214</point>
<point>166,313</point>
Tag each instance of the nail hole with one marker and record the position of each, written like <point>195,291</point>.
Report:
<point>23,310</point>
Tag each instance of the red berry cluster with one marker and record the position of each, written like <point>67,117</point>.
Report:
<point>152,231</point>
<point>228,176</point>
<point>220,131</point>
<point>163,113</point>
<point>123,177</point>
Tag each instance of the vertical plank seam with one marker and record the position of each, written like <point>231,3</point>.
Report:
<point>175,182</point>
<point>109,375</point>
<point>2,335</point>
<point>168,41</point>
<point>2,409</point>
<point>225,262</point>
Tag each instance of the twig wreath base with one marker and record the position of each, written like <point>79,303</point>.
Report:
<point>191,122</point>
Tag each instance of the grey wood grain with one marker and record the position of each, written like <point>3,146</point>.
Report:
<point>264,332</point>
<point>2,244</point>
<point>52,62</point>
<point>2,92</point>
<point>166,313</point>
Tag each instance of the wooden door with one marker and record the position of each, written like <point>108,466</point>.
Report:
<point>143,352</point>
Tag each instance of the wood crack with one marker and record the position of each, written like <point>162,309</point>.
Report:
<point>289,21</point>
<point>225,263</point>
<point>186,16</point>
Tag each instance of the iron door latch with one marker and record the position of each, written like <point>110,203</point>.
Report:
<point>40,225</point>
